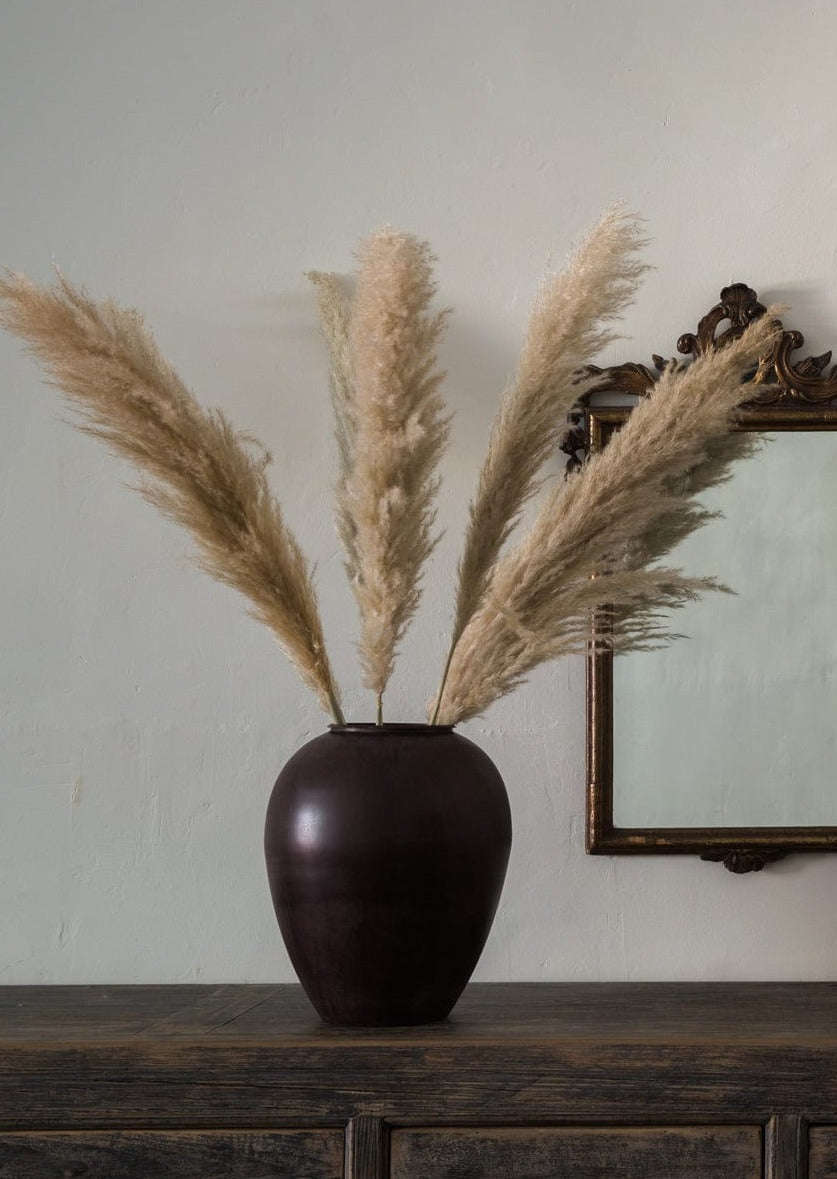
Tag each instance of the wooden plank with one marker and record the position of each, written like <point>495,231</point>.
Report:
<point>196,1155</point>
<point>209,1012</point>
<point>186,1058</point>
<point>86,1012</point>
<point>822,1152</point>
<point>105,1013</point>
<point>786,1148</point>
<point>696,1152</point>
<point>274,1085</point>
<point>733,1013</point>
<point>367,1149</point>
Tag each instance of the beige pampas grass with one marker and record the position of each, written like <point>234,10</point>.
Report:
<point>595,535</point>
<point>399,435</point>
<point>588,568</point>
<point>566,329</point>
<point>667,531</point>
<point>197,469</point>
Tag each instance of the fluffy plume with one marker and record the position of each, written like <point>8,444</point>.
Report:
<point>590,565</point>
<point>400,433</point>
<point>663,534</point>
<point>567,328</point>
<point>593,539</point>
<point>197,469</point>
<point>334,308</point>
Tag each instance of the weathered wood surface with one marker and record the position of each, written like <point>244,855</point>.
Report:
<point>302,1087</point>
<point>702,1152</point>
<point>104,1014</point>
<point>367,1148</point>
<point>786,1146</point>
<point>718,1057</point>
<point>822,1152</point>
<point>143,1154</point>
<point>761,1013</point>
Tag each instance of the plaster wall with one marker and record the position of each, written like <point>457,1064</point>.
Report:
<point>193,158</point>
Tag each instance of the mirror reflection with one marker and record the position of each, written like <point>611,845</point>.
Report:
<point>736,724</point>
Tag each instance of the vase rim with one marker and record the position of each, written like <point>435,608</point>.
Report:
<point>391,729</point>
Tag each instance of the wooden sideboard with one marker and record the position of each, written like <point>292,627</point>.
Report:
<point>525,1081</point>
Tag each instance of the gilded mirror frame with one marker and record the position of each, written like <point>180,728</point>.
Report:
<point>786,396</point>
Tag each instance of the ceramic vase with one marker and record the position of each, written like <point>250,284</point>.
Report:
<point>386,852</point>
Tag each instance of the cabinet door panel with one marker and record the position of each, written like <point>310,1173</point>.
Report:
<point>146,1154</point>
<point>822,1152</point>
<point>686,1152</point>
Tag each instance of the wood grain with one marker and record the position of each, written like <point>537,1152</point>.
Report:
<point>704,1152</point>
<point>140,1155</point>
<point>822,1152</point>
<point>675,1013</point>
<point>105,1013</point>
<point>614,1058</point>
<point>367,1148</point>
<point>786,1146</point>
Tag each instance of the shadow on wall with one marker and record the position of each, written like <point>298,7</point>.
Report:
<point>478,367</point>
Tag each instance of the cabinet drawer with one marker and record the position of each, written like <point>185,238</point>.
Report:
<point>822,1152</point>
<point>684,1152</point>
<point>143,1154</point>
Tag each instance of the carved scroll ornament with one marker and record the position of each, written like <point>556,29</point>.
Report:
<point>778,380</point>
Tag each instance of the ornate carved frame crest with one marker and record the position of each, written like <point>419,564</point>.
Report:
<point>787,394</point>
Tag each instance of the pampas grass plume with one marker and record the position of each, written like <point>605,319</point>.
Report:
<point>567,327</point>
<point>592,541</point>
<point>400,433</point>
<point>196,468</point>
<point>588,567</point>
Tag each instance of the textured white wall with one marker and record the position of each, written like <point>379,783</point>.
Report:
<point>193,159</point>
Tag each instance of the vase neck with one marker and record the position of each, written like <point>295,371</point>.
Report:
<point>385,730</point>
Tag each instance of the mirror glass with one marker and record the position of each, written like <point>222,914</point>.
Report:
<point>736,724</point>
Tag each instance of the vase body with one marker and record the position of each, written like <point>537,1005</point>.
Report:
<point>386,852</point>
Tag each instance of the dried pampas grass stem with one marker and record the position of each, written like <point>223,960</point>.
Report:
<point>197,469</point>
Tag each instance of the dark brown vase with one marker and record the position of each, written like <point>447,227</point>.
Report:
<point>386,852</point>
